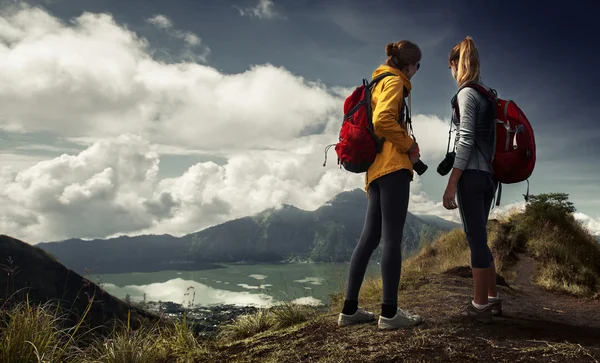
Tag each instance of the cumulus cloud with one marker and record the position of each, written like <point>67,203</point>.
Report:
<point>592,224</point>
<point>112,188</point>
<point>264,9</point>
<point>422,203</point>
<point>105,189</point>
<point>93,77</point>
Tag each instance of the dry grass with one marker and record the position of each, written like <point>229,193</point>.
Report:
<point>248,325</point>
<point>569,259</point>
<point>449,251</point>
<point>37,333</point>
<point>279,317</point>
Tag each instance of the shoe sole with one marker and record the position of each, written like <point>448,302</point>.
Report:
<point>349,323</point>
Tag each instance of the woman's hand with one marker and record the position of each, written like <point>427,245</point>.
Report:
<point>414,153</point>
<point>450,197</point>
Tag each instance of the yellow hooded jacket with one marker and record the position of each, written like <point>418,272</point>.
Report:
<point>386,104</point>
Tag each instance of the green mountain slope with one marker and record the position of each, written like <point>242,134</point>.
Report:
<point>328,234</point>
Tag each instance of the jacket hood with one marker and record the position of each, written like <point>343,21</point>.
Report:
<point>385,68</point>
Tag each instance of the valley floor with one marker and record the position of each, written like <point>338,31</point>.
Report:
<point>537,326</point>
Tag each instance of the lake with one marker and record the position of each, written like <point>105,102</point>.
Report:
<point>260,285</point>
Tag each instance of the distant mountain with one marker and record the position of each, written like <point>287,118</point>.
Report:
<point>123,254</point>
<point>31,273</point>
<point>328,234</point>
<point>438,221</point>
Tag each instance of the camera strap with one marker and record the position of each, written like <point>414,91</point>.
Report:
<point>408,117</point>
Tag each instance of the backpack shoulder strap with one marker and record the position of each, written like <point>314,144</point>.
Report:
<point>379,78</point>
<point>368,86</point>
<point>489,94</point>
<point>492,96</point>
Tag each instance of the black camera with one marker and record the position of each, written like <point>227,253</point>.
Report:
<point>446,164</point>
<point>420,167</point>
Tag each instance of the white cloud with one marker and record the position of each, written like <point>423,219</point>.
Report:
<point>94,78</point>
<point>264,9</point>
<point>592,224</point>
<point>431,133</point>
<point>112,188</point>
<point>194,50</point>
<point>161,21</point>
<point>422,203</point>
<point>107,188</point>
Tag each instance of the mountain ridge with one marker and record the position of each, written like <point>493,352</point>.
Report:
<point>278,234</point>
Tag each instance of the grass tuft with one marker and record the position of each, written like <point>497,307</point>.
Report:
<point>279,317</point>
<point>248,325</point>
<point>126,345</point>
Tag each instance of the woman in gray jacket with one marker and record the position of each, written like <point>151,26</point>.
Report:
<point>471,178</point>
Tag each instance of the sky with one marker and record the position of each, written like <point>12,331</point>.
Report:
<point>135,117</point>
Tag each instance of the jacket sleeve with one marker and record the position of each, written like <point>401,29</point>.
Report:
<point>467,105</point>
<point>387,112</point>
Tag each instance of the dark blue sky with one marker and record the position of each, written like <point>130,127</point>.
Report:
<point>543,55</point>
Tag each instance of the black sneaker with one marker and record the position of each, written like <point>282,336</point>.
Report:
<point>481,315</point>
<point>496,306</point>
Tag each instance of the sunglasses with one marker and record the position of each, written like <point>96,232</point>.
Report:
<point>418,65</point>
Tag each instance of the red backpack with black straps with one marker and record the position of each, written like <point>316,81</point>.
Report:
<point>358,145</point>
<point>515,155</point>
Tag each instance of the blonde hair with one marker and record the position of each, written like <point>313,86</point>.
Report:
<point>466,57</point>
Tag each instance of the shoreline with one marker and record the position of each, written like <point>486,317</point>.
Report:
<point>213,266</point>
<point>203,319</point>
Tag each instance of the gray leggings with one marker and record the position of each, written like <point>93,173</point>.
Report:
<point>475,195</point>
<point>386,213</point>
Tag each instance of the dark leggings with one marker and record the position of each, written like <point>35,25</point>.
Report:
<point>475,195</point>
<point>384,220</point>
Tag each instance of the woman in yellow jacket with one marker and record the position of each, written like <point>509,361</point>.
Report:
<point>388,186</point>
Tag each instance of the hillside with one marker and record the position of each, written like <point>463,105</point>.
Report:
<point>328,234</point>
<point>29,273</point>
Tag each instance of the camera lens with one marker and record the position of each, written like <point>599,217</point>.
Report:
<point>420,167</point>
<point>446,164</point>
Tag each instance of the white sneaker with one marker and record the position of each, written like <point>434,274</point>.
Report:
<point>359,317</point>
<point>402,319</point>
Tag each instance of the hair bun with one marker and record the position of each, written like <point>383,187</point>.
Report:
<point>390,49</point>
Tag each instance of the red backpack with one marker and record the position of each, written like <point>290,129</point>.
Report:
<point>358,145</point>
<point>514,158</point>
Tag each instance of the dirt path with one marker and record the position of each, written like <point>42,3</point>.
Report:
<point>532,302</point>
